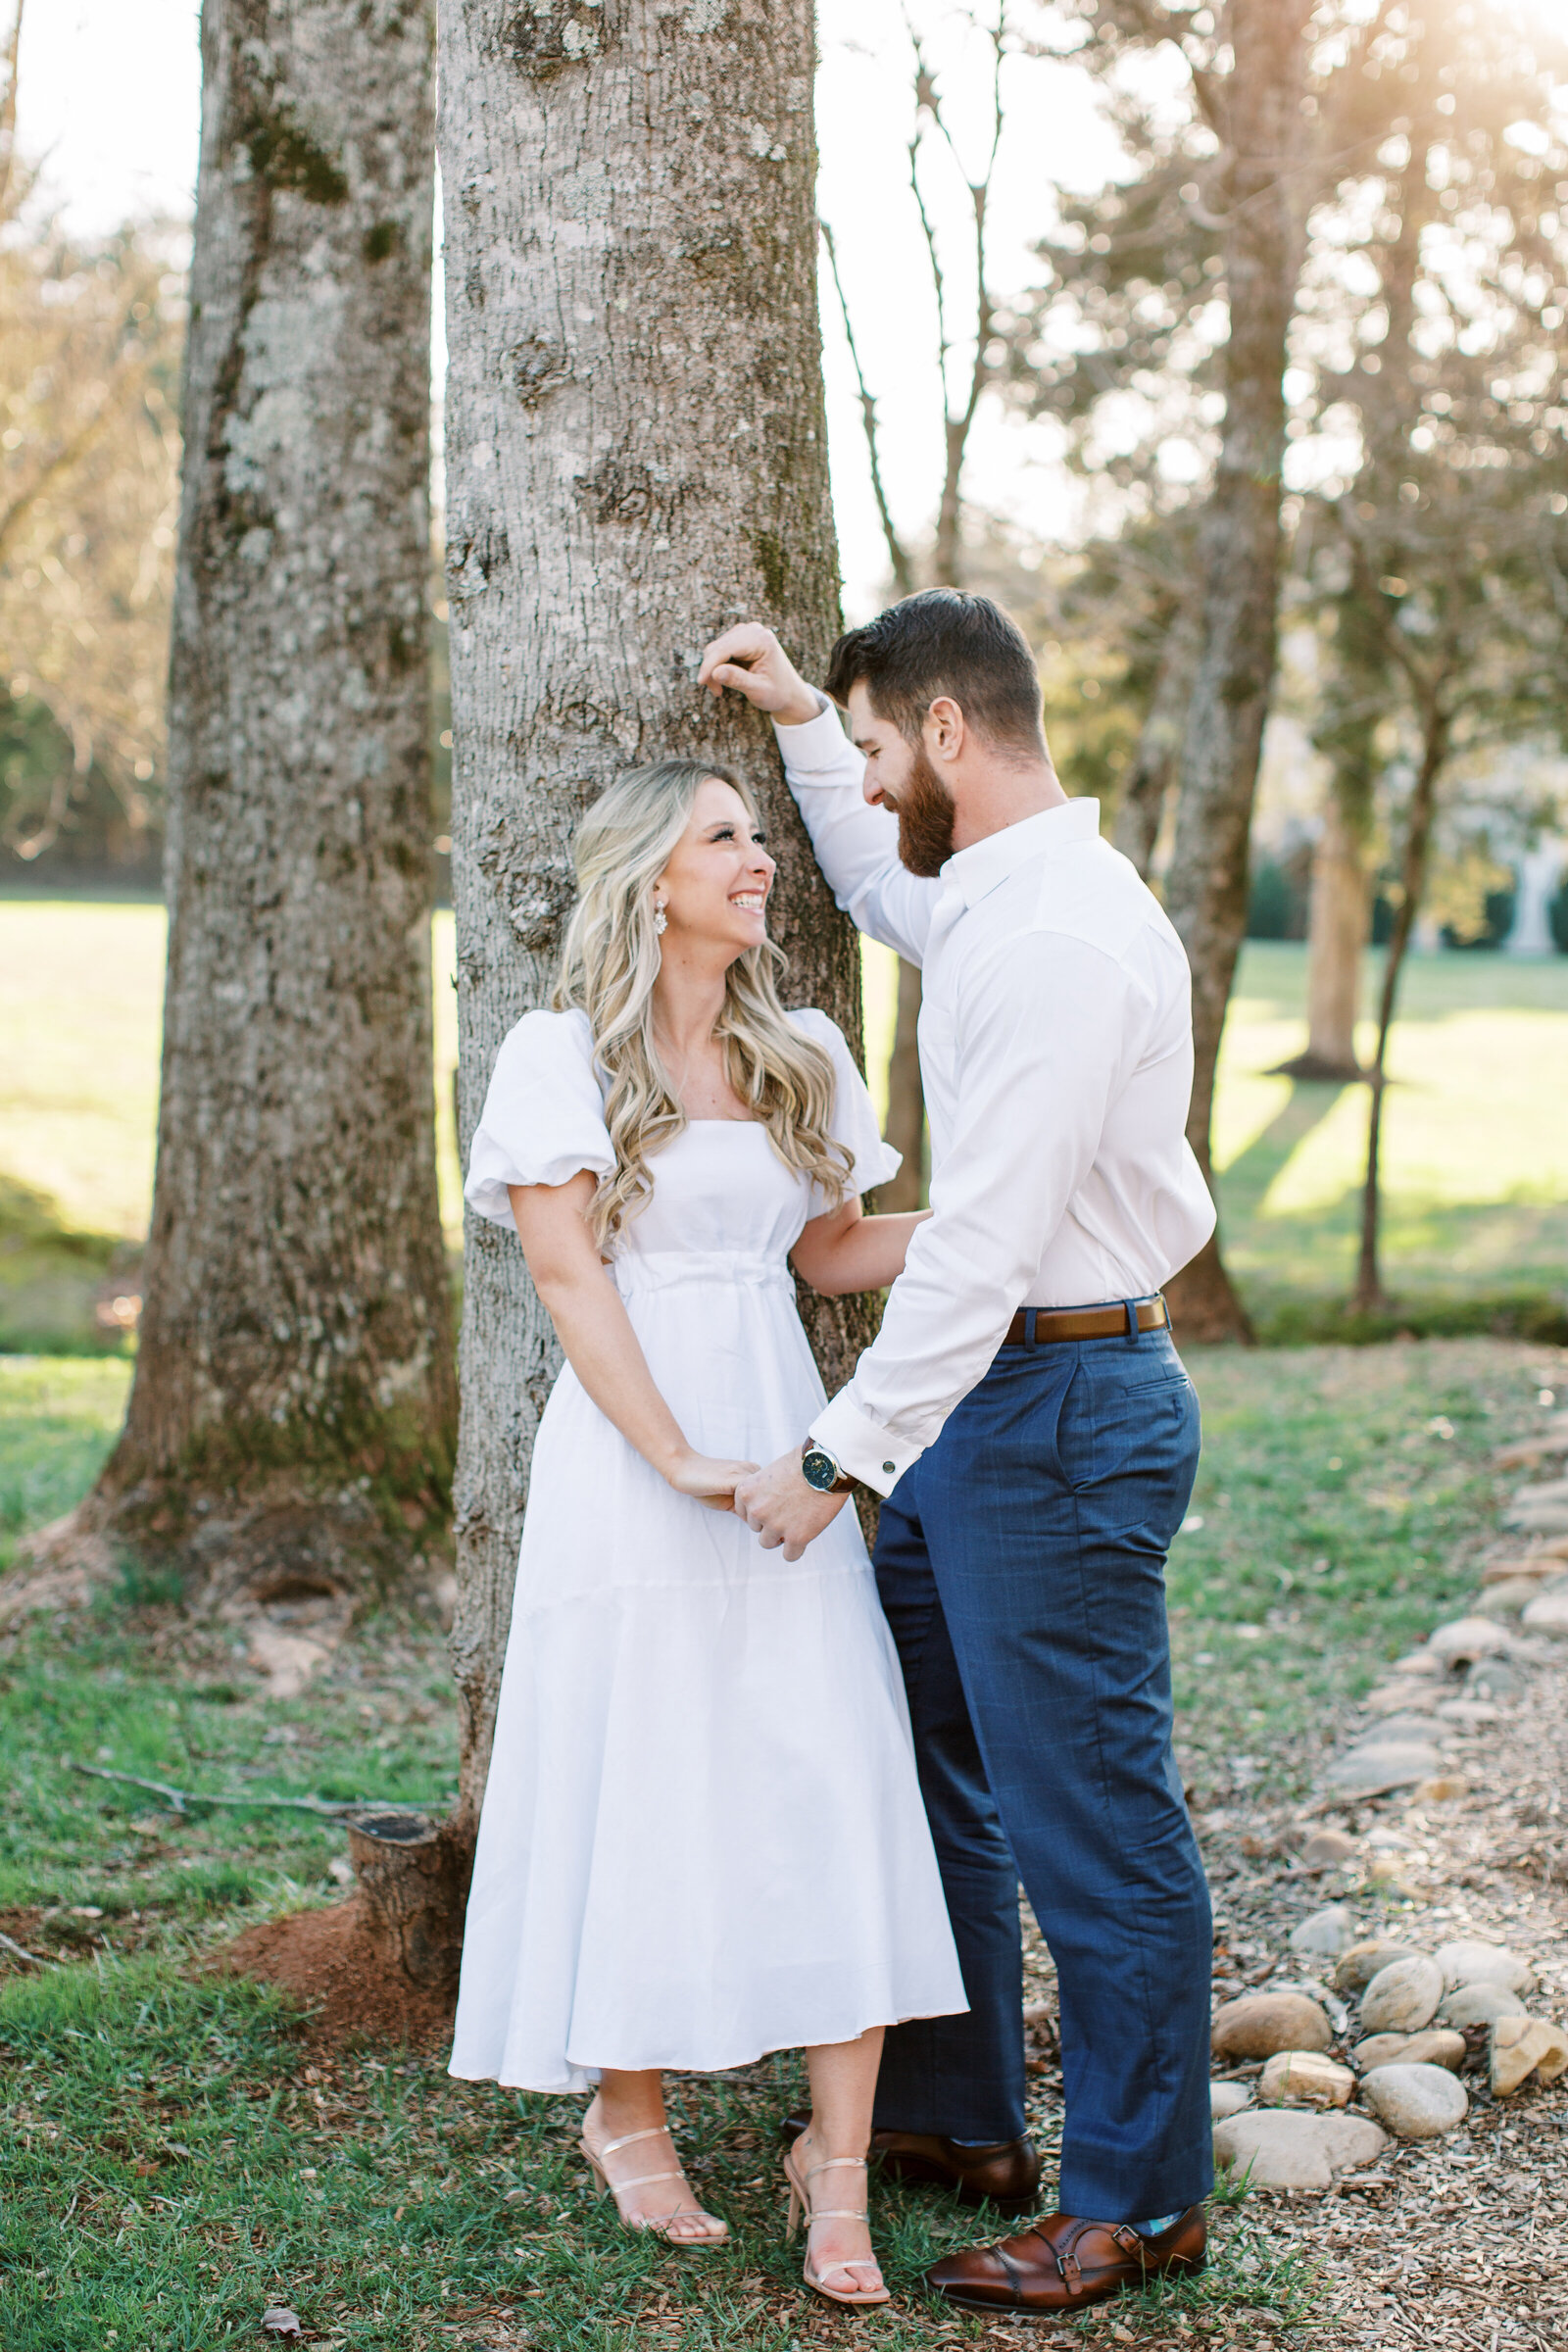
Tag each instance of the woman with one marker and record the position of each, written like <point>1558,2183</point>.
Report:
<point>701,1837</point>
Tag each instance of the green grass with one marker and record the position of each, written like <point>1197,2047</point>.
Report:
<point>1477,1148</point>
<point>179,2154</point>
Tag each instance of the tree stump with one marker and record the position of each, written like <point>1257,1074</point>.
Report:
<point>414,1883</point>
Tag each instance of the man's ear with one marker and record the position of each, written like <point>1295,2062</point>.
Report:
<point>944,730</point>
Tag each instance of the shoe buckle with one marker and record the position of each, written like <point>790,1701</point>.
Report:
<point>1072,2277</point>
<point>1128,2239</point>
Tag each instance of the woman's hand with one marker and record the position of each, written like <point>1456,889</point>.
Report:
<point>709,1480</point>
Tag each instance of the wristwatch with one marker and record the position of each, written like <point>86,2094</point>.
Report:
<point>821,1471</point>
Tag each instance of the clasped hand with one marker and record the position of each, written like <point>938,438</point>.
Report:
<point>776,1503</point>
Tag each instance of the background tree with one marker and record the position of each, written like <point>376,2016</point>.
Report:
<point>636,456</point>
<point>1452,156</point>
<point>968,358</point>
<point>90,462</point>
<point>290,1422</point>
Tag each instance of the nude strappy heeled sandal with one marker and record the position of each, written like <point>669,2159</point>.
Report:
<point>801,2201</point>
<point>660,2224</point>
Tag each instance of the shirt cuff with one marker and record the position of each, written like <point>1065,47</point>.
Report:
<point>874,1455</point>
<point>817,747</point>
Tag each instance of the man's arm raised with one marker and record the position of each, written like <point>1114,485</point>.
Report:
<point>750,660</point>
<point>856,845</point>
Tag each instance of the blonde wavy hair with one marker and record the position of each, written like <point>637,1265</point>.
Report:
<point>607,969</point>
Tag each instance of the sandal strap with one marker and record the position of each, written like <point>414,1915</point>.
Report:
<point>653,2131</point>
<point>642,2181</point>
<point>840,2213</point>
<point>829,2164</point>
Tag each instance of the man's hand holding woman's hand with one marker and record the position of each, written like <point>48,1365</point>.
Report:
<point>708,1479</point>
<point>780,1506</point>
<point>752,660</point>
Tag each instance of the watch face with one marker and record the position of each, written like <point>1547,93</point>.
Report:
<point>819,1470</point>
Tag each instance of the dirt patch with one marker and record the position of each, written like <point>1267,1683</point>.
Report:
<point>326,1959</point>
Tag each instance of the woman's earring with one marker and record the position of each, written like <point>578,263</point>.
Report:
<point>661,918</point>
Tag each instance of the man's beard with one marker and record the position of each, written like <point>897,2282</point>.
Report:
<point>926,817</point>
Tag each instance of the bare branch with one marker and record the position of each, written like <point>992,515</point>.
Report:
<point>898,553</point>
<point>179,1800</point>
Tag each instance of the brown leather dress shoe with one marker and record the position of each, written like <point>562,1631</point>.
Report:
<point>1061,2265</point>
<point>1005,2173</point>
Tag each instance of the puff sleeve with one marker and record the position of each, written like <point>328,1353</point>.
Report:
<point>853,1121</point>
<point>543,1117</point>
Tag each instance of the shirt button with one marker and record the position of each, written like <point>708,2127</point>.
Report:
<point>887,1466</point>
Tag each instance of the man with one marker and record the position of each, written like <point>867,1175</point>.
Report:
<point>1025,1416</point>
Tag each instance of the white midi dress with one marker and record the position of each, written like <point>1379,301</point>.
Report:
<point>702,1836</point>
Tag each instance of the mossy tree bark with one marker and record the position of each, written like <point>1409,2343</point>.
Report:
<point>1238,567</point>
<point>293,1411</point>
<point>636,456</point>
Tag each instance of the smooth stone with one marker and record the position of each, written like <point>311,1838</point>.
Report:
<point>1548,1614</point>
<point>1372,1770</point>
<point>1417,1661</point>
<point>1444,1788</point>
<point>1474,1963</point>
<point>1539,1519</point>
<point>1519,2047</point>
<point>1393,1730</point>
<point>1492,1678</point>
<point>1328,1932</point>
<point>1260,2023</point>
<point>1416,2102</point>
<point>1541,1496</point>
<point>1479,2005</point>
<point>1508,1594</point>
<point>1467,1637</point>
<point>1290,2147</point>
<point>1402,1997</point>
<point>1395,1699</point>
<point>1325,1848</point>
<point>1304,2078</point>
<point>1361,1963</point>
<point>1435,2047</point>
<point>1227,2098</point>
<point>1469,1714</point>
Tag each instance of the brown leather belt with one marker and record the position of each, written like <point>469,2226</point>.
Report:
<point>1053,1323</point>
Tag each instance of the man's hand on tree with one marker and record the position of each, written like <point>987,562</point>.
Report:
<point>780,1508</point>
<point>750,660</point>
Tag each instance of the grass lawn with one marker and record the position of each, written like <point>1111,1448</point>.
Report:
<point>1476,1140</point>
<point>179,2153</point>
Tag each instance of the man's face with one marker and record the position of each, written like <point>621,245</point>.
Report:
<point>900,776</point>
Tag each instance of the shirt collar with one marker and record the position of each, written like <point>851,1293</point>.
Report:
<point>976,871</point>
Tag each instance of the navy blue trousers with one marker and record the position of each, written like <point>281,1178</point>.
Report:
<point>1021,1565</point>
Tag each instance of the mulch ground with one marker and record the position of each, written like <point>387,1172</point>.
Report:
<point>353,1994</point>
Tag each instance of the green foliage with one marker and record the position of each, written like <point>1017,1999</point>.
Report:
<point>1272,902</point>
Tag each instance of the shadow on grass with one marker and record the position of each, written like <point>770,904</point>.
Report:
<point>55,1280</point>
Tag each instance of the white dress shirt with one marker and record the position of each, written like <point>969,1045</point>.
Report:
<point>1057,1054</point>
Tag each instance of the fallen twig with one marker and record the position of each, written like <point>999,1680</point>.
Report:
<point>9,1943</point>
<point>179,1800</point>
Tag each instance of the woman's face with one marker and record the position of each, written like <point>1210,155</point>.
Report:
<point>715,888</point>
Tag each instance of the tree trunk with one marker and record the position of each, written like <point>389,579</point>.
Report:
<point>636,456</point>
<point>1141,808</point>
<point>1337,933</point>
<point>1239,566</point>
<point>906,1129</point>
<point>1370,1296</point>
<point>292,1415</point>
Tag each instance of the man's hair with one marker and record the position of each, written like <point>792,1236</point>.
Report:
<point>943,642</point>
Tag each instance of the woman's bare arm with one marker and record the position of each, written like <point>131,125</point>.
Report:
<point>603,1350</point>
<point>846,1251</point>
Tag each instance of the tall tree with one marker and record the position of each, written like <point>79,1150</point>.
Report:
<point>636,456</point>
<point>966,359</point>
<point>292,1412</point>
<point>1452,156</point>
